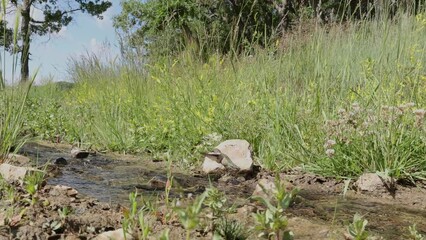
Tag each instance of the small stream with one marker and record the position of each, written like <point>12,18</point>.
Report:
<point>110,178</point>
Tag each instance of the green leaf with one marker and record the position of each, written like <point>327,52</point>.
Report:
<point>288,235</point>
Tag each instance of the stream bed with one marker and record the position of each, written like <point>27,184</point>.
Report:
<point>319,210</point>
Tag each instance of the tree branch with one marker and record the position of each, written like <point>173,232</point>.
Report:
<point>62,14</point>
<point>32,20</point>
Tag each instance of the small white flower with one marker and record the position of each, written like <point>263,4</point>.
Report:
<point>356,107</point>
<point>332,123</point>
<point>330,152</point>
<point>410,104</point>
<point>329,144</point>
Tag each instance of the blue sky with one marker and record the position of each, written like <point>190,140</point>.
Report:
<point>84,34</point>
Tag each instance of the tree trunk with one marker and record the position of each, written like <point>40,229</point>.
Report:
<point>26,40</point>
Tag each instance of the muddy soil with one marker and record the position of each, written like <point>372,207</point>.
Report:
<point>103,182</point>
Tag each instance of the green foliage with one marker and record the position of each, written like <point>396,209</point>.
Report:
<point>272,221</point>
<point>32,183</point>
<point>8,193</point>
<point>5,35</point>
<point>215,201</point>
<point>356,229</point>
<point>134,222</point>
<point>414,234</point>
<point>64,212</point>
<point>189,216</point>
<point>164,27</point>
<point>52,226</point>
<point>230,230</point>
<point>12,100</point>
<point>55,16</point>
<point>389,140</point>
<point>285,104</point>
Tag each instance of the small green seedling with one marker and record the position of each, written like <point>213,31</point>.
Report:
<point>272,222</point>
<point>64,212</point>
<point>189,216</point>
<point>356,230</point>
<point>52,226</point>
<point>134,222</point>
<point>33,183</point>
<point>230,230</point>
<point>215,201</point>
<point>145,229</point>
<point>414,234</point>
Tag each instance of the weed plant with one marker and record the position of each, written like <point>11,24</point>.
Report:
<point>414,234</point>
<point>230,230</point>
<point>271,223</point>
<point>134,222</point>
<point>356,230</point>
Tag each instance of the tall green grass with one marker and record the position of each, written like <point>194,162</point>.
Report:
<point>280,100</point>
<point>12,98</point>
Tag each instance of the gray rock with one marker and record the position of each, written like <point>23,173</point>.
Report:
<point>265,188</point>
<point>116,235</point>
<point>78,153</point>
<point>12,173</point>
<point>61,190</point>
<point>370,182</point>
<point>236,154</point>
<point>245,211</point>
<point>225,178</point>
<point>210,165</point>
<point>17,159</point>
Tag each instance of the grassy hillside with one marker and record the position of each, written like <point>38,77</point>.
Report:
<point>340,100</point>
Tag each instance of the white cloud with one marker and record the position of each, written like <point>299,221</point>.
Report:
<point>37,14</point>
<point>98,48</point>
<point>94,45</point>
<point>62,33</point>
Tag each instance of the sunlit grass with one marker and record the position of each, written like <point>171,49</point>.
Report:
<point>279,100</point>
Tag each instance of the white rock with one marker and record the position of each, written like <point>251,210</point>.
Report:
<point>370,182</point>
<point>116,235</point>
<point>12,173</point>
<point>18,159</point>
<point>210,165</point>
<point>265,188</point>
<point>61,190</point>
<point>236,153</point>
<point>245,211</point>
